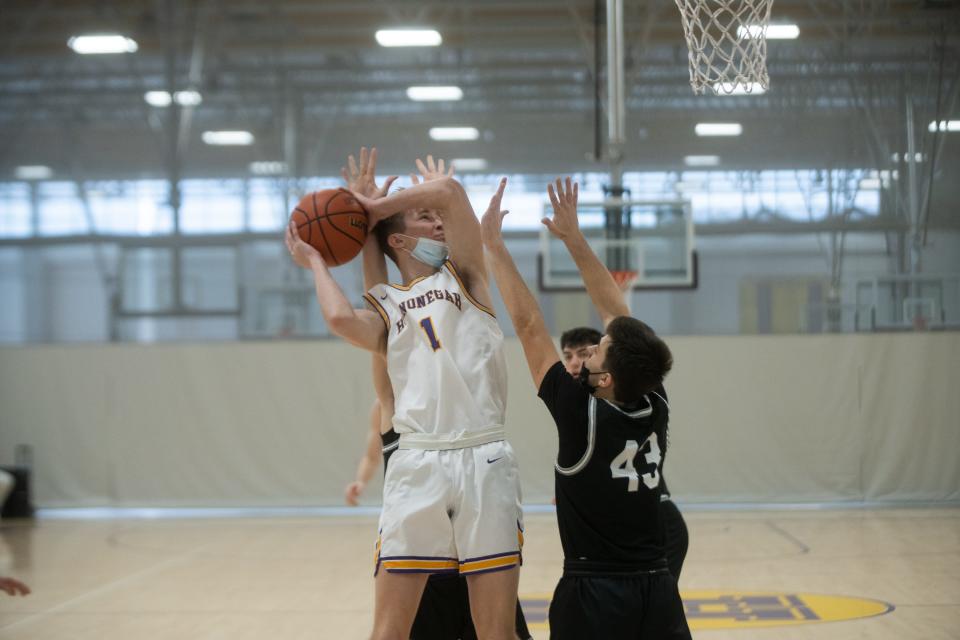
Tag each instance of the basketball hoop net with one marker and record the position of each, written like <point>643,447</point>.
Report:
<point>727,42</point>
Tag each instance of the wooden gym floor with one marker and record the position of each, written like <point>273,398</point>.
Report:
<point>310,577</point>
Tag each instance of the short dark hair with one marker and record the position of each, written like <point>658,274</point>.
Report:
<point>636,357</point>
<point>579,336</point>
<point>387,227</point>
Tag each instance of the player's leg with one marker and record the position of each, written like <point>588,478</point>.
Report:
<point>488,525</point>
<point>397,598</point>
<point>663,615</point>
<point>416,539</point>
<point>593,607</point>
<point>520,623</point>
<point>493,603</point>
<point>444,612</point>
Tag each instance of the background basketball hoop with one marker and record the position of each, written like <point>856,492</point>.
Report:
<point>727,42</point>
<point>624,279</point>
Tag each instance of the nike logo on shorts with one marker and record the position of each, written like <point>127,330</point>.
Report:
<point>383,297</point>
<point>492,460</point>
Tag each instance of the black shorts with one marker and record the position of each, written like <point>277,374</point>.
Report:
<point>444,612</point>
<point>618,607</point>
<point>677,538</point>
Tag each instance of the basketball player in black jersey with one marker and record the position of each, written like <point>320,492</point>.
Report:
<point>612,426</point>
<point>576,345</point>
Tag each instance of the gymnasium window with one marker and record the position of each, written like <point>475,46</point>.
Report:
<point>212,206</point>
<point>14,209</point>
<point>61,210</point>
<point>141,207</point>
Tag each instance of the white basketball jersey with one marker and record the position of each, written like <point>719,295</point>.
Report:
<point>444,355</point>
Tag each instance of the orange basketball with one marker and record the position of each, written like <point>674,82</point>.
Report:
<point>333,222</point>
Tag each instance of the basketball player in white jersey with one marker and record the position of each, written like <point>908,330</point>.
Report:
<point>451,494</point>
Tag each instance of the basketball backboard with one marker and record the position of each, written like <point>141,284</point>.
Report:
<point>654,238</point>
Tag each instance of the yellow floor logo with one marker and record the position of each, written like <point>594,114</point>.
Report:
<point>745,609</point>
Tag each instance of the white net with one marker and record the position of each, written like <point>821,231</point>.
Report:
<point>727,40</point>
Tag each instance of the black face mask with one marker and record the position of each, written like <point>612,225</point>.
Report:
<point>584,378</point>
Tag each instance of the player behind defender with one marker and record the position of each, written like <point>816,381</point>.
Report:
<point>444,611</point>
<point>451,501</point>
<point>576,345</point>
<point>611,425</point>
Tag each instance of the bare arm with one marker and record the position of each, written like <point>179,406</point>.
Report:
<point>360,327</point>
<point>369,462</point>
<point>606,296</point>
<point>538,346</point>
<point>384,391</point>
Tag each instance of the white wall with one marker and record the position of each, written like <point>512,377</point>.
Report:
<point>763,419</point>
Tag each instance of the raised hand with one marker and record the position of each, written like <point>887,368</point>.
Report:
<point>362,178</point>
<point>373,206</point>
<point>491,224</point>
<point>431,171</point>
<point>564,201</point>
<point>300,251</point>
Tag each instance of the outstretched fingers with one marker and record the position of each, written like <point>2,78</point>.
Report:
<point>553,197</point>
<point>352,163</point>
<point>364,158</point>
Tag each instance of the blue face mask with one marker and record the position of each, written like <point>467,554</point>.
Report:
<point>430,252</point>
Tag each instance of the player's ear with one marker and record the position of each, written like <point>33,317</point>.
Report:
<point>396,241</point>
<point>605,381</point>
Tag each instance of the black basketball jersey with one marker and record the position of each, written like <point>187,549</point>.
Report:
<point>607,474</point>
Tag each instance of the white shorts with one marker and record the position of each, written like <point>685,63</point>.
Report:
<point>451,511</point>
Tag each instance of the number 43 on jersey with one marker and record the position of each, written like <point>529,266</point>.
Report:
<point>622,465</point>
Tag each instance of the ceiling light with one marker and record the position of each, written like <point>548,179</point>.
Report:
<point>157,98</point>
<point>33,172</point>
<point>102,43</point>
<point>228,137</point>
<point>773,31</point>
<point>945,125</point>
<point>701,161</point>
<point>422,94</point>
<point>189,98</point>
<point>268,168</point>
<point>408,38</point>
<point>870,183</point>
<point>738,89</point>
<point>718,129</point>
<point>469,164</point>
<point>917,156</point>
<point>454,133</point>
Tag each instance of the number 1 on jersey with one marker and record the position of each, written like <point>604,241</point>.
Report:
<point>427,325</point>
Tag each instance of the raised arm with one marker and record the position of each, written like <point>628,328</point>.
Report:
<point>538,346</point>
<point>601,287</point>
<point>360,327</point>
<point>361,178</point>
